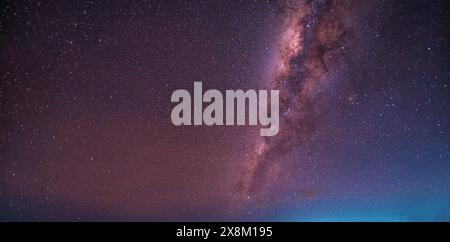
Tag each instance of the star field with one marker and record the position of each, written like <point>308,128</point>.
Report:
<point>85,111</point>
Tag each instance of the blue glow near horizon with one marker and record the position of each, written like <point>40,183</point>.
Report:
<point>396,210</point>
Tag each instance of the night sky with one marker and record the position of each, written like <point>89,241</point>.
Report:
<point>86,135</point>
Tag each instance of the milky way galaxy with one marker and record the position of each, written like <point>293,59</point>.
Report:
<point>85,111</point>
<point>312,42</point>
